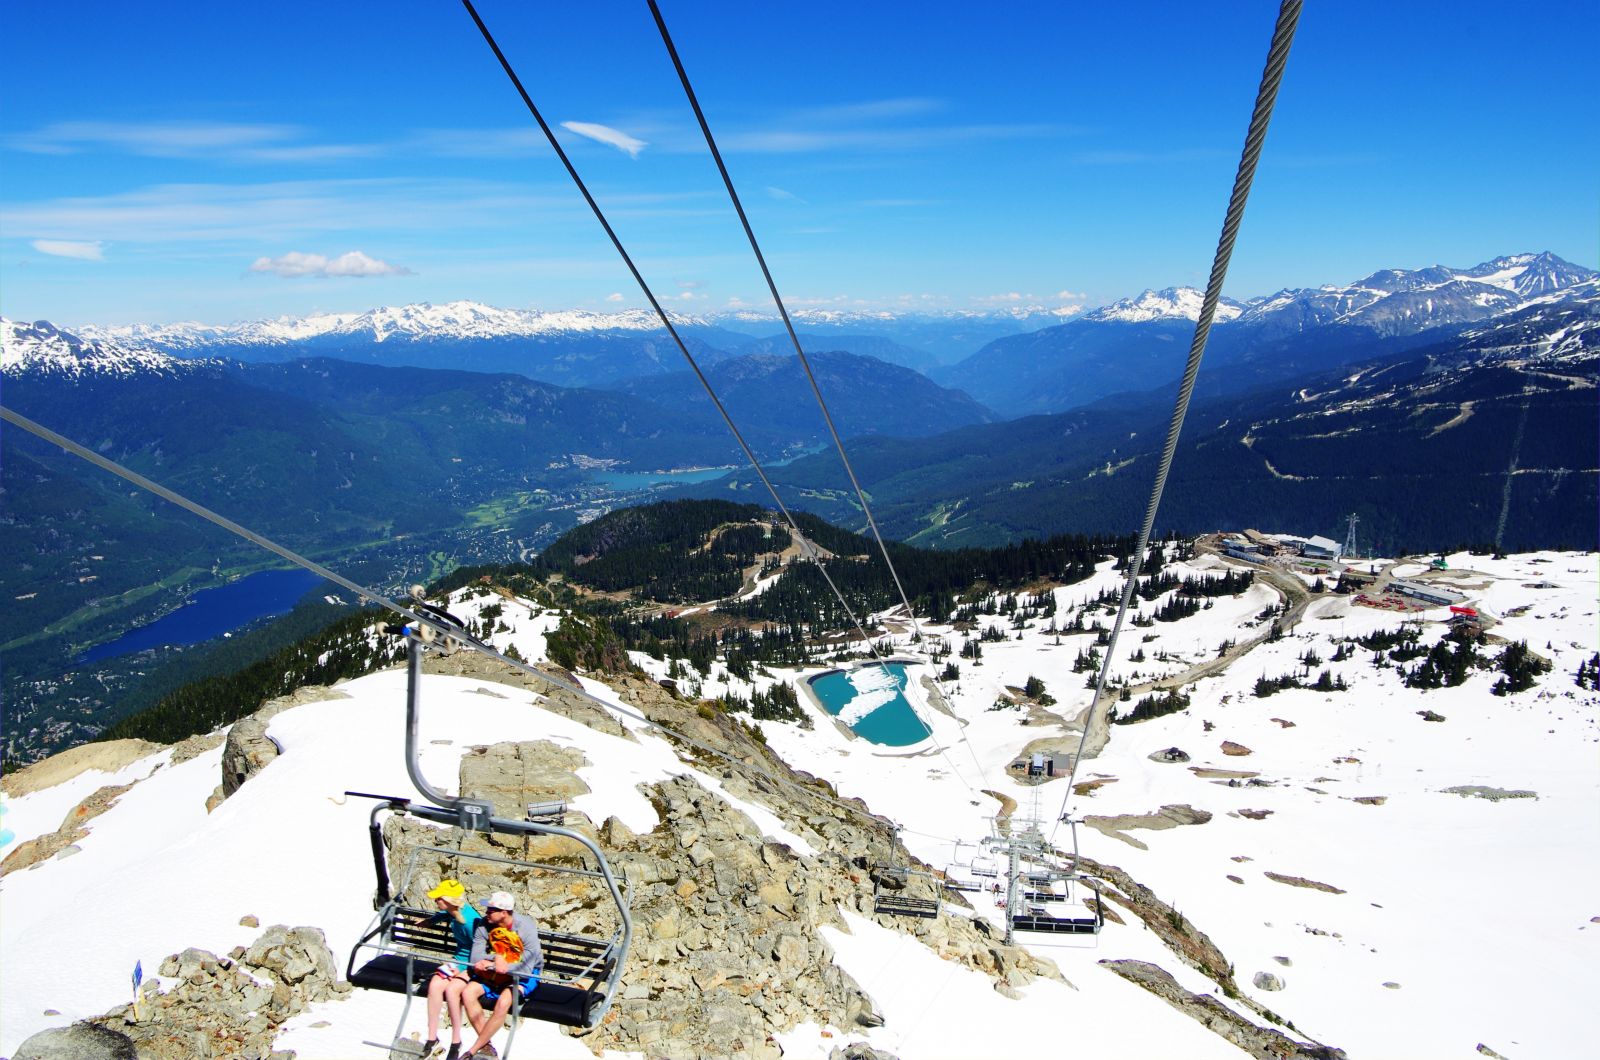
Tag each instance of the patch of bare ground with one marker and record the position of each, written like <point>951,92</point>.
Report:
<point>1265,1043</point>
<point>1211,773</point>
<point>1195,949</point>
<point>1301,881</point>
<point>1008,805</point>
<point>1086,788</point>
<point>108,757</point>
<point>71,831</point>
<point>1170,816</point>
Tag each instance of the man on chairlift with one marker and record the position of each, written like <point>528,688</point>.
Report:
<point>505,964</point>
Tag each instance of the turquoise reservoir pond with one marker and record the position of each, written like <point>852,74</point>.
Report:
<point>213,612</point>
<point>871,700</point>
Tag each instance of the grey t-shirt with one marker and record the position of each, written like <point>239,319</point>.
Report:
<point>525,926</point>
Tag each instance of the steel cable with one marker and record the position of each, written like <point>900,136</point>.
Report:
<point>421,617</point>
<point>1266,96</point>
<point>666,322</point>
<point>805,364</point>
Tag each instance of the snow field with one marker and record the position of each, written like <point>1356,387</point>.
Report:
<point>1478,910</point>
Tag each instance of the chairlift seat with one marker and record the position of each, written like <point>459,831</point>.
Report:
<point>897,905</point>
<point>411,950</point>
<point>1056,925</point>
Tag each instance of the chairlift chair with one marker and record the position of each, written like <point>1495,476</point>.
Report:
<point>969,876</point>
<point>892,883</point>
<point>1041,918</point>
<point>403,946</point>
<point>1048,908</point>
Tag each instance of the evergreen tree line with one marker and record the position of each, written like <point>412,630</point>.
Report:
<point>1155,705</point>
<point>345,649</point>
<point>1326,681</point>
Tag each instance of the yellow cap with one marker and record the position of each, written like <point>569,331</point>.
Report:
<point>450,890</point>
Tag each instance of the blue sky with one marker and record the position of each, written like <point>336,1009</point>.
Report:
<point>226,162</point>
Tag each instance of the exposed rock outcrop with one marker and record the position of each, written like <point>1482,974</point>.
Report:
<point>727,949</point>
<point>227,1007</point>
<point>81,1041</point>
<point>555,699</point>
<point>1264,1043</point>
<point>108,756</point>
<point>248,749</point>
<point>71,831</point>
<point>1169,816</point>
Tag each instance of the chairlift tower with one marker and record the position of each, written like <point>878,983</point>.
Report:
<point>1350,534</point>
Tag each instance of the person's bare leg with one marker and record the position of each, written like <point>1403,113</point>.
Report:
<point>436,989</point>
<point>474,1008</point>
<point>497,1018</point>
<point>452,1000</point>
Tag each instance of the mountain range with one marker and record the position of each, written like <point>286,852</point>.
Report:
<point>1142,342</point>
<point>1380,398</point>
<point>1484,437</point>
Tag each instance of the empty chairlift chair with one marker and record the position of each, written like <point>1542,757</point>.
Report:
<point>899,890</point>
<point>1047,910</point>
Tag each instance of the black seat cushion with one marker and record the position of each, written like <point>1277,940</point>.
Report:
<point>555,1003</point>
<point>388,972</point>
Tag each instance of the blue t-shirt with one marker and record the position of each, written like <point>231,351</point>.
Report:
<point>461,930</point>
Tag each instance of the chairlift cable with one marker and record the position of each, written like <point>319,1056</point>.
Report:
<point>788,324</point>
<point>705,383</point>
<point>805,363</point>
<point>418,615</point>
<point>666,321</point>
<point>1266,96</point>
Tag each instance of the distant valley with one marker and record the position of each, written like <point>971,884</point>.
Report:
<point>1443,407</point>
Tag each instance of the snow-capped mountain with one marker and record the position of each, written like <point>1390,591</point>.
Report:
<point>1401,302</point>
<point>1170,303</point>
<point>1529,275</point>
<point>42,348</point>
<point>1138,343</point>
<point>423,322</point>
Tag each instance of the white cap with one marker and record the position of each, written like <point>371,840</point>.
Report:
<point>501,900</point>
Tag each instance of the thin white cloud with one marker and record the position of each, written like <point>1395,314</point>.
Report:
<point>783,195</point>
<point>799,140</point>
<point>614,296</point>
<point>218,141</point>
<point>71,248</point>
<point>295,265</point>
<point>607,135</point>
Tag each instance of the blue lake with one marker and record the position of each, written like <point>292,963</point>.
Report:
<point>639,480</point>
<point>213,612</point>
<point>871,700</point>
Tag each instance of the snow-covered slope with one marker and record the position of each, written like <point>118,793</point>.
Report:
<point>44,349</point>
<point>1437,903</point>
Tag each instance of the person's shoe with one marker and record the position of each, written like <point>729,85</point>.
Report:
<point>455,1051</point>
<point>488,1052</point>
<point>429,1047</point>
